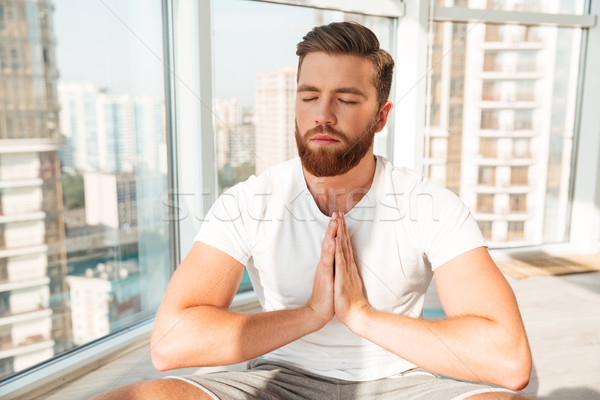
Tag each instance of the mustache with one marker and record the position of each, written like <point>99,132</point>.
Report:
<point>325,129</point>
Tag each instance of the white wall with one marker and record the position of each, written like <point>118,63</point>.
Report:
<point>28,233</point>
<point>31,266</point>
<point>15,166</point>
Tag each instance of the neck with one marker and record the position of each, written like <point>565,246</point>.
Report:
<point>342,192</point>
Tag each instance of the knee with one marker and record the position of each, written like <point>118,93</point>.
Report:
<point>499,395</point>
<point>148,390</point>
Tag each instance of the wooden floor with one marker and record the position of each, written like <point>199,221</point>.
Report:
<point>562,318</point>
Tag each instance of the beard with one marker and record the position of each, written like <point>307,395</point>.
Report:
<point>335,159</point>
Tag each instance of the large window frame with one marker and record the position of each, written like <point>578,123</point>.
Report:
<point>193,174</point>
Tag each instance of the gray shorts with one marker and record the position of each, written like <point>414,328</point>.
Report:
<point>271,380</point>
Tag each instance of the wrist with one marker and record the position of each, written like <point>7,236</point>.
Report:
<point>360,321</point>
<point>314,319</point>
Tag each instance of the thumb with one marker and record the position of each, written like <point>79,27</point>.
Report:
<point>328,253</point>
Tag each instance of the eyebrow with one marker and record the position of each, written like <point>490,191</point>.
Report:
<point>349,90</point>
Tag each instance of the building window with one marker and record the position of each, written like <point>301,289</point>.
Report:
<point>490,119</point>
<point>525,90</point>
<point>490,91</point>
<point>523,119</point>
<point>517,203</point>
<point>488,147</point>
<point>494,33</point>
<point>526,61</point>
<point>516,231</point>
<point>519,176</point>
<point>492,61</point>
<point>485,203</point>
<point>486,229</point>
<point>487,176</point>
<point>521,148</point>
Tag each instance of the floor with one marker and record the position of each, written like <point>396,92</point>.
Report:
<point>561,315</point>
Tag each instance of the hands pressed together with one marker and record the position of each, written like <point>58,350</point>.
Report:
<point>338,289</point>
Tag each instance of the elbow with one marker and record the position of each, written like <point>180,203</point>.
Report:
<point>519,379</point>
<point>159,362</point>
<point>162,351</point>
<point>160,357</point>
<point>517,371</point>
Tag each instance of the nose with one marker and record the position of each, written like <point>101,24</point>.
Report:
<point>324,113</point>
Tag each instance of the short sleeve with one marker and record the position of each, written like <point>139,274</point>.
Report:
<point>224,226</point>
<point>446,226</point>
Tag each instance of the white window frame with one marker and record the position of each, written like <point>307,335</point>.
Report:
<point>187,30</point>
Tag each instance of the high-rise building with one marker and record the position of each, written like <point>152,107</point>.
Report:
<point>78,115</point>
<point>101,129</point>
<point>111,199</point>
<point>236,140</point>
<point>103,298</point>
<point>274,115</point>
<point>228,115</point>
<point>34,316</point>
<point>500,126</point>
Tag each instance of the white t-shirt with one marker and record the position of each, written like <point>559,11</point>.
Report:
<point>401,230</point>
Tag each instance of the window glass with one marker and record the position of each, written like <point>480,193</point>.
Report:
<point>513,135</point>
<point>84,246</point>
<point>254,104</point>
<point>534,6</point>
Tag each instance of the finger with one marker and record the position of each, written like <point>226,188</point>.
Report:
<point>330,232</point>
<point>328,252</point>
<point>340,262</point>
<point>350,256</point>
<point>346,246</point>
<point>340,229</point>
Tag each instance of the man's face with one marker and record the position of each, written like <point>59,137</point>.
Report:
<point>336,113</point>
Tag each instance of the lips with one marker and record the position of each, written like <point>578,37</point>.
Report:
<point>321,138</point>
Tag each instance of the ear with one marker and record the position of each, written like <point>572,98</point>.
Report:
<point>383,115</point>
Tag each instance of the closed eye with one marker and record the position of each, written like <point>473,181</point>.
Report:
<point>347,101</point>
<point>309,99</point>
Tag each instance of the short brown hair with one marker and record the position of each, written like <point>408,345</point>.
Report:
<point>355,39</point>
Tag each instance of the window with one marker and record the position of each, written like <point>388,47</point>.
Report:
<point>494,33</point>
<point>490,119</point>
<point>254,105</point>
<point>523,119</point>
<point>516,231</point>
<point>488,147</point>
<point>485,203</point>
<point>89,211</point>
<point>490,91</point>
<point>519,176</point>
<point>492,61</point>
<point>526,61</point>
<point>486,229</point>
<point>514,112</point>
<point>521,148</point>
<point>525,90</point>
<point>549,149</point>
<point>487,176</point>
<point>517,203</point>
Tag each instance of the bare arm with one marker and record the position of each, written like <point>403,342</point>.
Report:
<point>195,328</point>
<point>483,338</point>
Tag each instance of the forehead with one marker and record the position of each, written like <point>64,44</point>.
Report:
<point>329,71</point>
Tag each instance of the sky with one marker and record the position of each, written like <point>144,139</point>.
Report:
<point>115,44</point>
<point>118,44</point>
<point>252,37</point>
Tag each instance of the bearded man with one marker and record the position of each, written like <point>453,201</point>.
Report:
<point>340,247</point>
